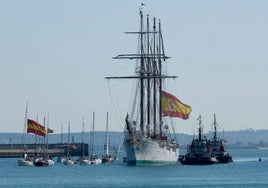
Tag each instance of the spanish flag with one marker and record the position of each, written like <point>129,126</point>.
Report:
<point>50,130</point>
<point>36,128</point>
<point>173,107</point>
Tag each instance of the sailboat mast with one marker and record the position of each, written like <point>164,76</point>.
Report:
<point>44,137</point>
<point>141,76</point>
<point>106,137</point>
<point>61,135</point>
<point>68,139</point>
<point>83,145</point>
<point>25,125</point>
<point>93,130</point>
<point>47,134</point>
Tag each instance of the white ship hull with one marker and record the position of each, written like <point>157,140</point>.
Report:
<point>149,152</point>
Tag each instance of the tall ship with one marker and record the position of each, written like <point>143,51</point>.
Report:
<point>148,138</point>
<point>218,147</point>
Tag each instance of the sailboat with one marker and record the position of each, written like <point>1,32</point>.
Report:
<point>68,160</point>
<point>218,148</point>
<point>147,138</point>
<point>25,160</point>
<point>61,157</point>
<point>49,160</point>
<point>39,159</point>
<point>93,156</point>
<point>107,158</point>
<point>83,160</point>
<point>45,159</point>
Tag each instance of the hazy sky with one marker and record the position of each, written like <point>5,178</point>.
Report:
<point>55,55</point>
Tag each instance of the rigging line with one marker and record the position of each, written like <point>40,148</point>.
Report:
<point>174,130</point>
<point>116,105</point>
<point>25,124</point>
<point>135,100</point>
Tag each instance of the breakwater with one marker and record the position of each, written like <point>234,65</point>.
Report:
<point>52,149</point>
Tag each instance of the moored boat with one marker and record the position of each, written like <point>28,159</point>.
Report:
<point>95,159</point>
<point>93,156</point>
<point>106,158</point>
<point>68,160</point>
<point>83,160</point>
<point>25,161</point>
<point>43,161</point>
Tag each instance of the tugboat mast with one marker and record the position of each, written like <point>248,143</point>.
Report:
<point>199,127</point>
<point>215,128</point>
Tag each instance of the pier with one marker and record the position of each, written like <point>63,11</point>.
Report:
<point>54,149</point>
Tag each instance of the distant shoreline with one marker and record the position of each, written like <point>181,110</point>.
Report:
<point>243,139</point>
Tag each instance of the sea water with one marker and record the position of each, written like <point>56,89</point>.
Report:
<point>245,171</point>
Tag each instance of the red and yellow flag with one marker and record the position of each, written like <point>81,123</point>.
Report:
<point>50,130</point>
<point>36,128</point>
<point>173,107</point>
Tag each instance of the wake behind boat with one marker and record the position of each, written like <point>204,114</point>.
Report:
<point>147,135</point>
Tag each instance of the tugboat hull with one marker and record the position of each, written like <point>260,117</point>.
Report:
<point>197,161</point>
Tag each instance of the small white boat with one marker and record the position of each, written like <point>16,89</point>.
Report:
<point>107,158</point>
<point>96,161</point>
<point>25,161</point>
<point>93,157</point>
<point>84,161</point>
<point>43,161</point>
<point>61,159</point>
<point>68,161</point>
<point>50,161</point>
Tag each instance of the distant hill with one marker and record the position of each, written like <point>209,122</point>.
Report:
<point>236,139</point>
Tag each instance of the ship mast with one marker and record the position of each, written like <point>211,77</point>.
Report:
<point>148,79</point>
<point>160,78</point>
<point>142,70</point>
<point>215,128</point>
<point>154,79</point>
<point>150,55</point>
<point>199,127</point>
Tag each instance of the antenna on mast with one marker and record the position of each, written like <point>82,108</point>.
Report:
<point>141,6</point>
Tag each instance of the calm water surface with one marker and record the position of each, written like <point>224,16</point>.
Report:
<point>246,171</point>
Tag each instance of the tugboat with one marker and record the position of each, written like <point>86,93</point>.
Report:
<point>218,148</point>
<point>199,152</point>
